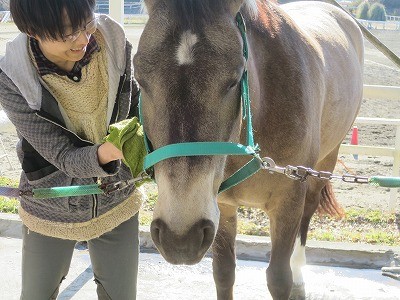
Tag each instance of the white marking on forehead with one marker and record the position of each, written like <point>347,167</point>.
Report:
<point>184,53</point>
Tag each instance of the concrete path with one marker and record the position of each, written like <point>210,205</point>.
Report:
<point>159,280</point>
<point>362,256</point>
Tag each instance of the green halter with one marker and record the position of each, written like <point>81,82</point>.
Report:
<point>216,148</point>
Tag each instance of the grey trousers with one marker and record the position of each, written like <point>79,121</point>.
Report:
<point>114,258</point>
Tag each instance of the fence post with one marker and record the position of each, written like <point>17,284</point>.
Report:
<point>396,171</point>
<point>388,93</point>
<point>117,10</point>
<point>6,17</point>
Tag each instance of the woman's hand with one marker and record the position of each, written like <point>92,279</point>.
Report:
<point>107,152</point>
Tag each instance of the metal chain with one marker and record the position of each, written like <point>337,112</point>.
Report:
<point>120,185</point>
<point>302,173</point>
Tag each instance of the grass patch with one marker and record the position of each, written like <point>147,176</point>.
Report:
<point>369,236</point>
<point>379,237</point>
<point>322,236</point>
<point>370,216</point>
<point>245,226</point>
<point>4,181</point>
<point>8,205</point>
<point>358,225</point>
<point>145,217</point>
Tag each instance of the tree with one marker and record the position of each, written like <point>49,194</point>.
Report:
<point>362,11</point>
<point>377,12</point>
<point>391,4</point>
<point>392,7</point>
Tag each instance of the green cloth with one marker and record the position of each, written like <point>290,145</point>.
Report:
<point>128,137</point>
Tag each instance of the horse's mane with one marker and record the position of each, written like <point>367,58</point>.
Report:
<point>192,13</point>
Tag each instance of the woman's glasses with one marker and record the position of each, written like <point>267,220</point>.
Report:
<point>89,28</point>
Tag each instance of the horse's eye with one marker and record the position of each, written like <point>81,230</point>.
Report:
<point>139,80</point>
<point>232,84</point>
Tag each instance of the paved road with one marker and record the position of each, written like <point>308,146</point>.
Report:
<point>159,280</point>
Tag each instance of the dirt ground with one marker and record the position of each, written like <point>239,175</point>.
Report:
<point>378,70</point>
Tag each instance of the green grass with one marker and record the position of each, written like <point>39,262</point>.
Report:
<point>151,200</point>
<point>8,205</point>
<point>4,181</point>
<point>322,236</point>
<point>145,217</point>
<point>379,237</point>
<point>245,226</point>
<point>358,225</point>
<point>370,216</point>
<point>369,236</point>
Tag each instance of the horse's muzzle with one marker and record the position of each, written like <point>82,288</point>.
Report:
<point>185,249</point>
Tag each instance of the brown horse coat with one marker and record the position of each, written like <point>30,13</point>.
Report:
<point>305,73</point>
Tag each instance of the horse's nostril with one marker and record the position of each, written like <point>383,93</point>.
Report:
<point>156,233</point>
<point>186,248</point>
<point>208,235</point>
<point>155,229</point>
<point>208,230</point>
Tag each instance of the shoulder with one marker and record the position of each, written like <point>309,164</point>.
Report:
<point>112,31</point>
<point>18,72</point>
<point>115,42</point>
<point>6,84</point>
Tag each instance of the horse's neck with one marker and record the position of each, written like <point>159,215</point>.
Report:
<point>273,46</point>
<point>269,22</point>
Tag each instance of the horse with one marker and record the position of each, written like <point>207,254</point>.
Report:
<point>304,64</point>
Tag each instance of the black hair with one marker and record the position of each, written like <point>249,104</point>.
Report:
<point>46,18</point>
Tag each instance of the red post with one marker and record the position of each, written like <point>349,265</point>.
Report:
<point>354,140</point>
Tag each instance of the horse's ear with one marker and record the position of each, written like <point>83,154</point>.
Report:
<point>235,5</point>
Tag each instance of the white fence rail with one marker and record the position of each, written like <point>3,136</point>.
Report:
<point>392,18</point>
<point>388,24</point>
<point>387,93</point>
<point>5,16</point>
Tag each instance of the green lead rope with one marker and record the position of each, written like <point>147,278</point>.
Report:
<point>93,189</point>
<point>67,191</point>
<point>390,182</point>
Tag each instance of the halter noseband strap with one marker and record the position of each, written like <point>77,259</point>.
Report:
<point>216,148</point>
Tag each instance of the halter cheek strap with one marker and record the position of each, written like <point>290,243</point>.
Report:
<point>215,148</point>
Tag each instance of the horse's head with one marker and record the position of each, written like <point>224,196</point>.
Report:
<point>189,64</point>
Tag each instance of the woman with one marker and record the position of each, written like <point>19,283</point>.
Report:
<point>63,81</point>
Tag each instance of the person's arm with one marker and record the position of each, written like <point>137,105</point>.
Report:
<point>107,152</point>
<point>51,142</point>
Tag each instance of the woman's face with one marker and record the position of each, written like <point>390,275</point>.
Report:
<point>69,48</point>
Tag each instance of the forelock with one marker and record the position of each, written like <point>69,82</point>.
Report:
<point>192,14</point>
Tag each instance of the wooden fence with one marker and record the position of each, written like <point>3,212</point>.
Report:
<point>389,93</point>
<point>392,24</point>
